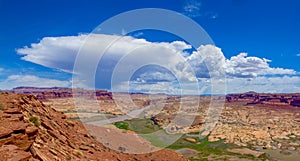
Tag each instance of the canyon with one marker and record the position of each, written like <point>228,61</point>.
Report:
<point>249,124</point>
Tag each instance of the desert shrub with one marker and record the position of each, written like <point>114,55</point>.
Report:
<point>1,106</point>
<point>35,120</point>
<point>78,153</point>
<point>69,157</point>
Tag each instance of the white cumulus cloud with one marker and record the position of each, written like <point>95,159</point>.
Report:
<point>207,61</point>
<point>127,52</point>
<point>243,66</point>
<point>61,52</point>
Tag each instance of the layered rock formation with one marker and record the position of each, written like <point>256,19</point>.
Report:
<point>30,130</point>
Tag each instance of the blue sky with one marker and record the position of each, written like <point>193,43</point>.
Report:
<point>263,29</point>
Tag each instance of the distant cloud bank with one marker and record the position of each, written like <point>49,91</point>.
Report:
<point>32,81</point>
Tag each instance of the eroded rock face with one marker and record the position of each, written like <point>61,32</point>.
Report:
<point>240,123</point>
<point>30,130</point>
<point>259,125</point>
<point>12,152</point>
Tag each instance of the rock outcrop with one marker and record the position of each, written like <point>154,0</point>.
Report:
<point>30,130</point>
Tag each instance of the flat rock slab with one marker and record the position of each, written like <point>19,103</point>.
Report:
<point>13,111</point>
<point>187,152</point>
<point>12,152</point>
<point>5,132</point>
<point>31,130</point>
<point>247,152</point>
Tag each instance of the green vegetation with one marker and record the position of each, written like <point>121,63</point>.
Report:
<point>144,127</point>
<point>122,125</point>
<point>35,121</point>
<point>217,146</point>
<point>140,126</point>
<point>206,149</point>
<point>1,106</point>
